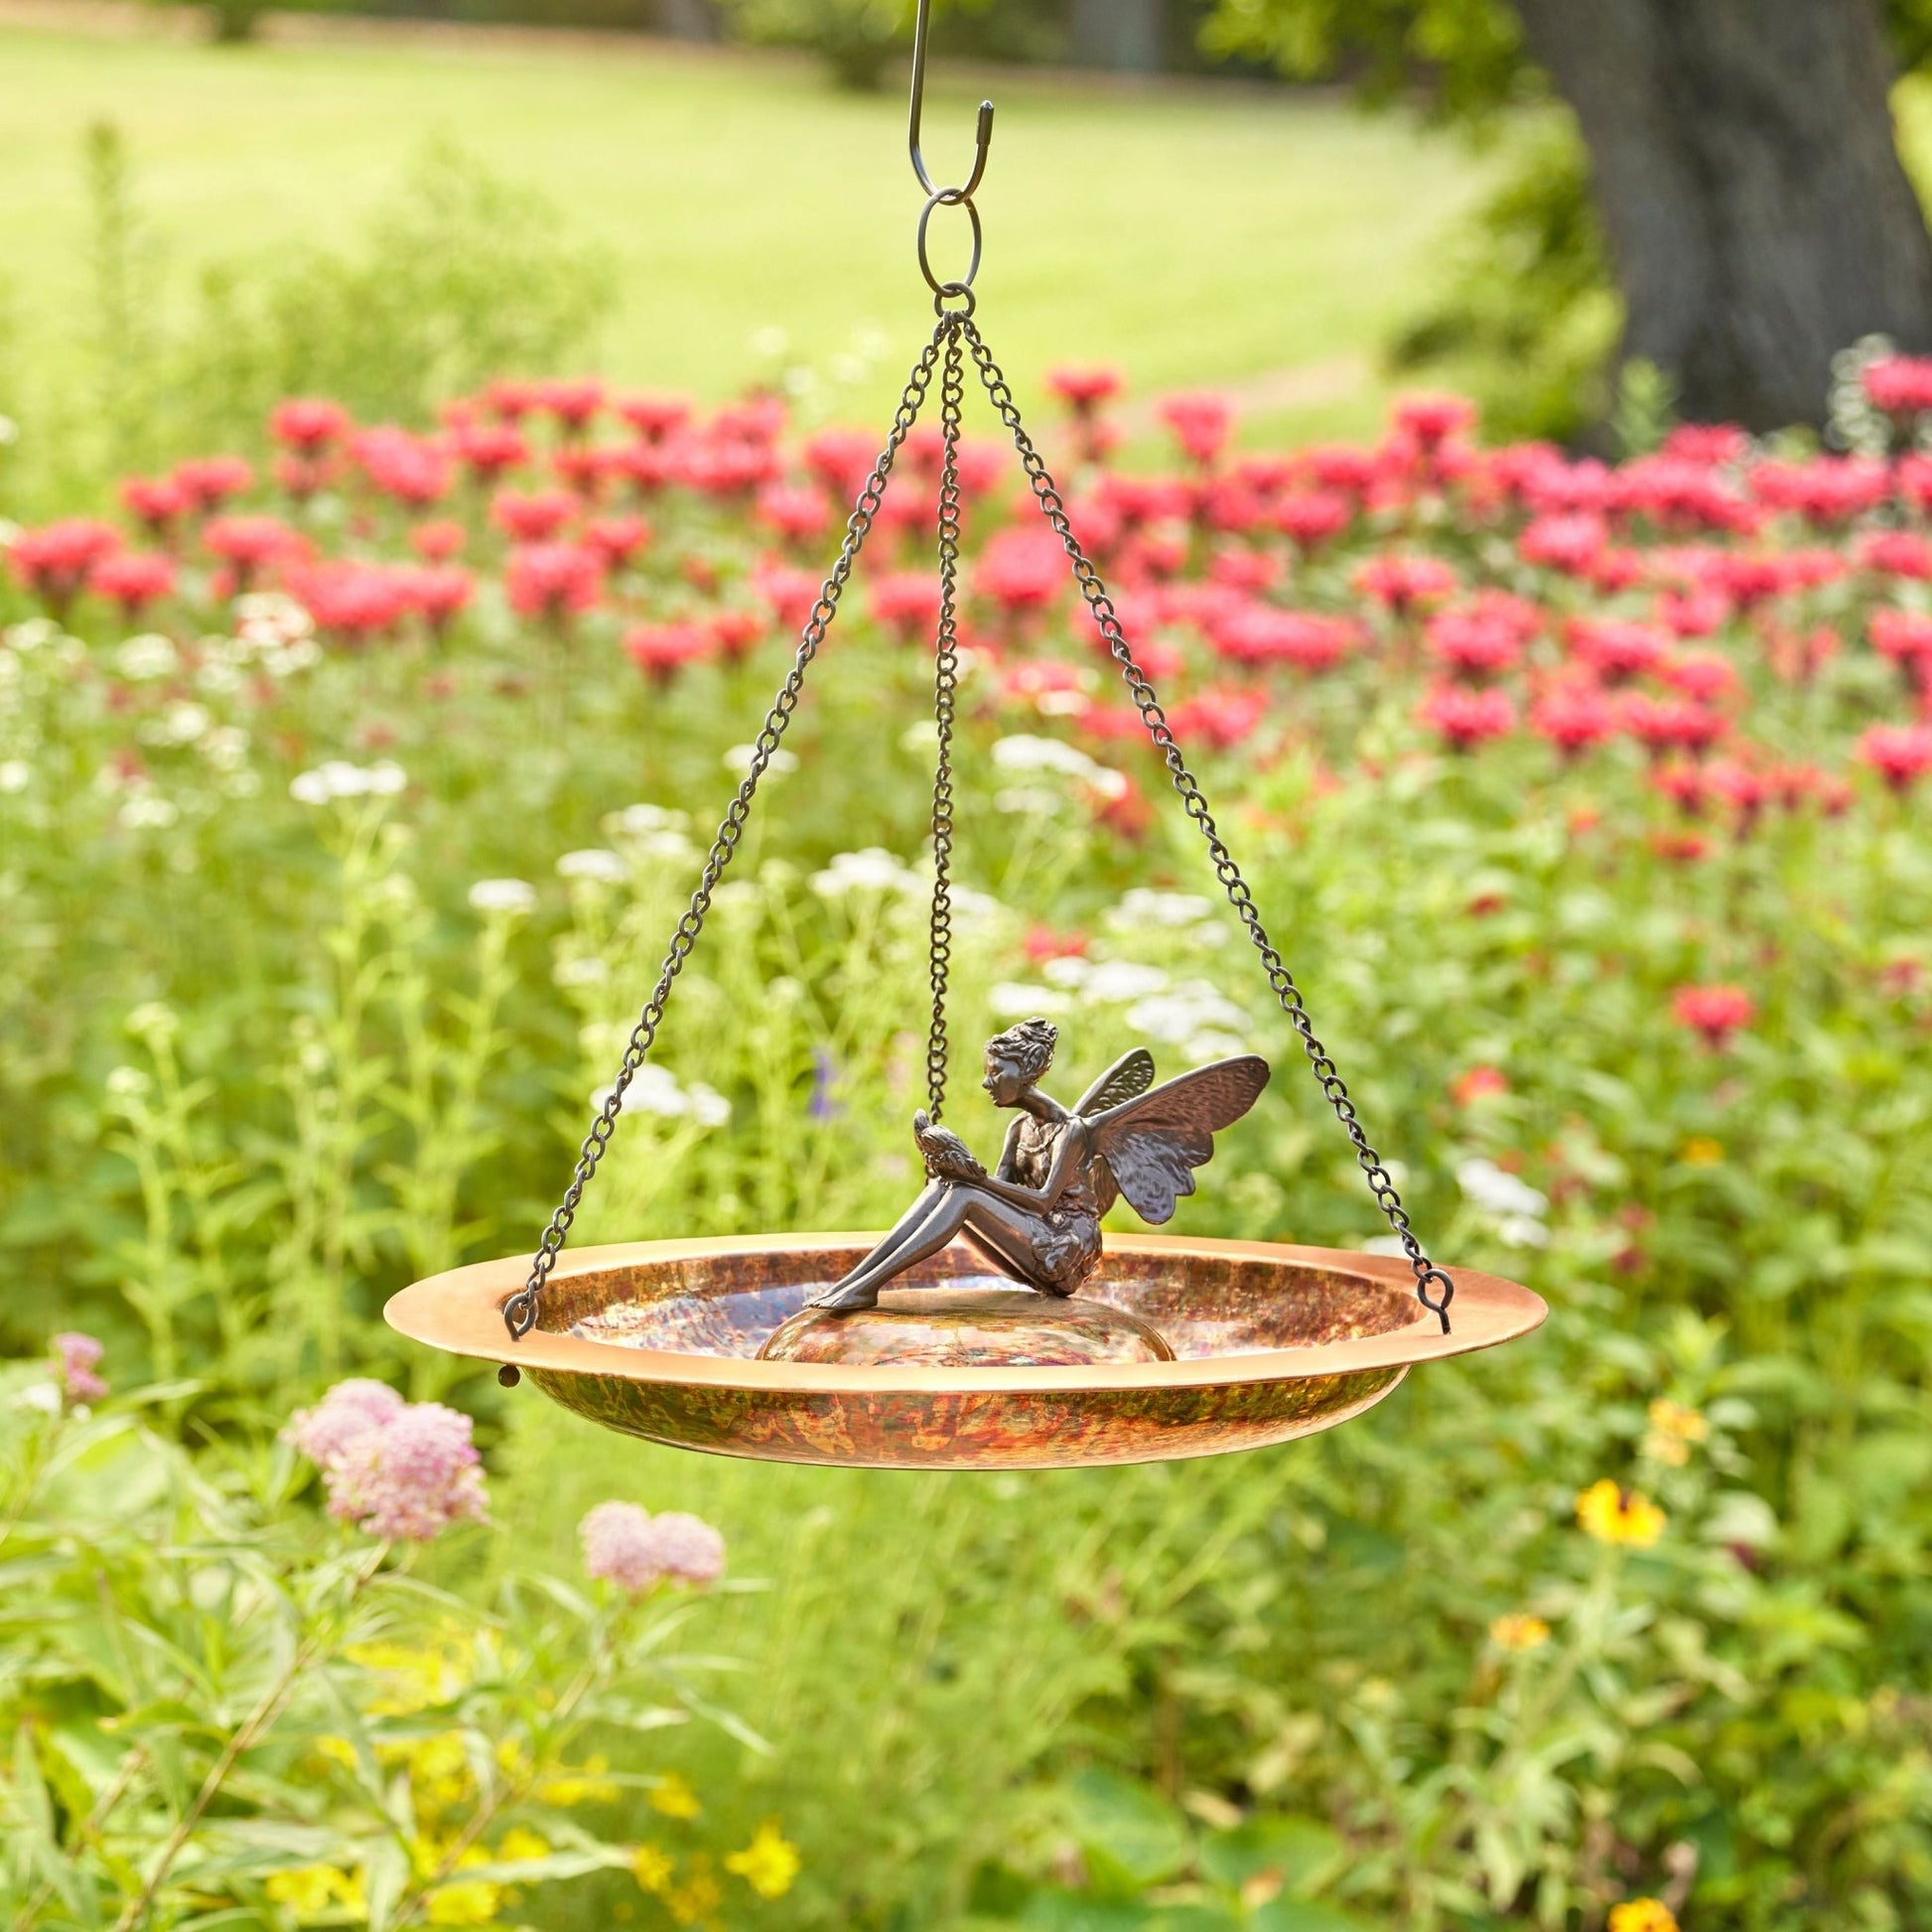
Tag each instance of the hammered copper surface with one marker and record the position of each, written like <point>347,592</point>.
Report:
<point>954,1327</point>
<point>659,1340</point>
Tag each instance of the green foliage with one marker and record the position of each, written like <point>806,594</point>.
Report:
<point>222,1711</point>
<point>856,39</point>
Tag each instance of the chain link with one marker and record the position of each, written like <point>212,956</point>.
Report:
<point>952,396</point>
<point>1282,982</point>
<point>520,1310</point>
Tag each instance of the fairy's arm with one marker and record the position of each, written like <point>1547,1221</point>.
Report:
<point>1008,1154</point>
<point>1069,1157</point>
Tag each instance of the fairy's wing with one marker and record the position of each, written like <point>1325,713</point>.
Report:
<point>1130,1074</point>
<point>1152,1145</point>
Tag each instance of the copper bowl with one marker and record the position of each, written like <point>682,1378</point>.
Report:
<point>660,1339</point>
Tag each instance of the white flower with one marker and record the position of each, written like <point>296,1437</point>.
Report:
<point>921,736</point>
<point>1501,1194</point>
<point>708,1107</point>
<point>338,779</point>
<point>971,908</point>
<point>219,678</point>
<point>637,820</point>
<point>31,634</point>
<point>1026,801</point>
<point>668,846</point>
<point>654,1089</point>
<point>1143,906</point>
<point>225,747</point>
<point>1522,1231</point>
<point>15,774</point>
<point>873,869</point>
<point>1014,999</point>
<point>148,811</point>
<point>183,723</point>
<point>126,1083</point>
<point>1116,979</point>
<point>44,1397</point>
<point>149,656</point>
<point>587,971</point>
<point>272,616</point>
<point>593,863</point>
<point>514,896</point>
<point>301,655</point>
<point>740,757</point>
<point>153,1019</point>
<point>1024,753</point>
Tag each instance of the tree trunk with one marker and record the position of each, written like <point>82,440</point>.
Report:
<point>1127,35</point>
<point>1743,164</point>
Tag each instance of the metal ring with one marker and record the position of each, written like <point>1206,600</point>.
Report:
<point>950,198</point>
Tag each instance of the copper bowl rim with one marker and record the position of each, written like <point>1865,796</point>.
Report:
<point>462,1311</point>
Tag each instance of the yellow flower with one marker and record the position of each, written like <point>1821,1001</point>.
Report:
<point>652,1867</point>
<point>519,1844</point>
<point>587,1785</point>
<point>769,1863</point>
<point>336,1750</point>
<point>512,1759</point>
<point>1674,1419</point>
<point>309,1890</point>
<point>1642,1915</point>
<point>674,1797</point>
<point>1519,1631</point>
<point>417,1676</point>
<point>698,1897</point>
<point>1620,1516</point>
<point>1701,1151</point>
<point>469,1901</point>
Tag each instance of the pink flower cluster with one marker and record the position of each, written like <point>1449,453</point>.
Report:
<point>76,1358</point>
<point>628,1546</point>
<point>403,1471</point>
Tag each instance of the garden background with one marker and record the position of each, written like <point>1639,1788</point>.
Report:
<point>419,451</point>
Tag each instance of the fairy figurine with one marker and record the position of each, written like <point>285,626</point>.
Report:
<point>1036,1216</point>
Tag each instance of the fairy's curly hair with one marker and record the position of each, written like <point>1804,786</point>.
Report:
<point>1028,1045</point>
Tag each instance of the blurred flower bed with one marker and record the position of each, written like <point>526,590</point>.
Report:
<point>348,805</point>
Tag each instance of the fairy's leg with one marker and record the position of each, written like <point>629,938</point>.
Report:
<point>904,1229</point>
<point>960,1207</point>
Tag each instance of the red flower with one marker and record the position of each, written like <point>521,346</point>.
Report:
<point>586,467</point>
<point>1716,1011</point>
<point>662,651</point>
<point>1478,1083</point>
<point>1021,569</point>
<point>1466,718</point>
<point>414,469</point>
<point>1201,424</point>
<point>751,419</point>
<point>1666,724</point>
<point>792,594</point>
<point>1049,684</point>
<point>1904,636</point>
<point>308,424</point>
<point>1427,420</point>
<point>510,398</point>
<point>1827,489</point>
<point>617,539</point>
<point>1243,570</point>
<point>655,417</point>
<point>1896,553</point>
<point>53,562</point>
<point>905,603</point>
<point>735,632</point>
<point>1085,389</point>
<point>573,401</point>
<point>1259,633</point>
<point>1745,790</point>
<point>440,592</point>
<point>1311,517</point>
<point>1472,643</point>
<point>795,511</point>
<point>1221,719</point>
<point>133,578</point>
<point>723,468</point>
<point>356,602</point>
<point>1616,648</point>
<point>1345,469</point>
<point>155,500</point>
<point>251,544</point>
<point>841,460</point>
<point>1901,385</point>
<point>1043,943</point>
<point>553,581</point>
<point>437,542</point>
<point>1567,543</point>
<point>1574,717</point>
<point>1698,614</point>
<point>486,450</point>
<point>209,480</point>
<point>1712,444</point>
<point>531,516</point>
<point>1700,675</point>
<point>1901,755</point>
<point>1404,583</point>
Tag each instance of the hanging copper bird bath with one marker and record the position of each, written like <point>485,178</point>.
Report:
<point>993,1327</point>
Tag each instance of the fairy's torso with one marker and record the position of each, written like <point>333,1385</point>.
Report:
<point>1069,1247</point>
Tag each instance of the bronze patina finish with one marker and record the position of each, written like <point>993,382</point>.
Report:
<point>660,1339</point>
<point>1036,1216</point>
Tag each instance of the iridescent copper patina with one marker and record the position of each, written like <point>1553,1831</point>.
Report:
<point>660,1339</point>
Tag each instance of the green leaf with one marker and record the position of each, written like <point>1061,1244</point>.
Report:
<point>1131,1836</point>
<point>1286,1914</point>
<point>1303,1850</point>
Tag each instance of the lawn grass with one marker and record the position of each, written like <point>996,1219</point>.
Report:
<point>1193,235</point>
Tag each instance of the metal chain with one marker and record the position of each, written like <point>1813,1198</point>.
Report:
<point>520,1310</point>
<point>1226,870</point>
<point>952,396</point>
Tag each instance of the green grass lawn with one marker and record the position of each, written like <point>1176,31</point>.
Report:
<point>1194,236</point>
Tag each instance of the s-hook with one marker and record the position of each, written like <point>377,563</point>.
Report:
<point>960,197</point>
